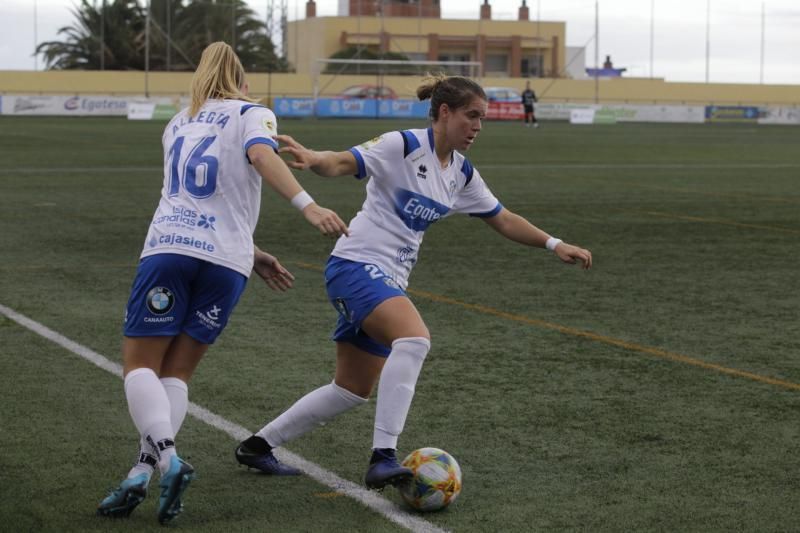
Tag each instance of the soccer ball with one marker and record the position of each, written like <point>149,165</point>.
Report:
<point>436,482</point>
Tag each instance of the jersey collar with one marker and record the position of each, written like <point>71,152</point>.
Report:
<point>433,149</point>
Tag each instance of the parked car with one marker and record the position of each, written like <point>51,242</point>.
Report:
<point>503,94</point>
<point>368,91</point>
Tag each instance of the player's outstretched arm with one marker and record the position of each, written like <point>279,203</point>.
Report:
<point>515,228</point>
<point>278,176</point>
<point>271,271</point>
<point>325,164</point>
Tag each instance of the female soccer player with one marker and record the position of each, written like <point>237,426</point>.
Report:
<point>417,178</point>
<point>197,256</point>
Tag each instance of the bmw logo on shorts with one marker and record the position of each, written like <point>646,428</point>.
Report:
<point>160,300</point>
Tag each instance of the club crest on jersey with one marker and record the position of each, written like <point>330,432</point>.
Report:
<point>406,253</point>
<point>417,211</point>
<point>160,300</point>
<point>422,171</point>
<point>451,187</point>
<point>269,126</point>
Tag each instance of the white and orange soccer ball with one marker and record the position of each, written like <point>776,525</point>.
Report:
<point>436,482</point>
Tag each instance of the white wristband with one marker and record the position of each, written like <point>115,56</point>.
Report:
<point>551,243</point>
<point>301,200</point>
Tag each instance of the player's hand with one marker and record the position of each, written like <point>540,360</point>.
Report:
<point>325,220</point>
<point>272,272</point>
<point>303,157</point>
<point>572,254</point>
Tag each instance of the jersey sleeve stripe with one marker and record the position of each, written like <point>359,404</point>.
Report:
<point>259,140</point>
<point>410,142</point>
<point>467,170</point>
<point>488,214</point>
<point>246,107</point>
<point>362,169</point>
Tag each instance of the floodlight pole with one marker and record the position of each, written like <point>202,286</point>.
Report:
<point>147,53</point>
<point>708,36</point>
<point>169,36</point>
<point>763,25</point>
<point>652,32</point>
<point>597,52</point>
<point>35,37</point>
<point>103,35</point>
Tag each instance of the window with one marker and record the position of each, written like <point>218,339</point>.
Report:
<point>532,66</point>
<point>455,56</point>
<point>496,63</point>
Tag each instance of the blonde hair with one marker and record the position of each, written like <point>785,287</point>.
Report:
<point>455,91</point>
<point>219,75</point>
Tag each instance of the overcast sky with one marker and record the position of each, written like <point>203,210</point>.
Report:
<point>679,37</point>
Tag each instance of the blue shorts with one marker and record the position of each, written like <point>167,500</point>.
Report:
<point>355,289</point>
<point>173,293</point>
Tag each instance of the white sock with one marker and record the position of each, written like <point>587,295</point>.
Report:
<point>396,389</point>
<point>178,395</point>
<point>312,410</point>
<point>149,407</point>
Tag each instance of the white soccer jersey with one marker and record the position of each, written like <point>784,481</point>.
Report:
<point>407,192</point>
<point>212,195</point>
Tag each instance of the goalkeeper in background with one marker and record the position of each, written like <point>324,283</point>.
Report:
<point>528,99</point>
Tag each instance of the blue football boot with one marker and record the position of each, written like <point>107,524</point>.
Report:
<point>384,469</point>
<point>121,501</point>
<point>262,458</point>
<point>173,484</point>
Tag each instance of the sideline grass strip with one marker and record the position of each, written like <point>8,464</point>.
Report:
<point>347,488</point>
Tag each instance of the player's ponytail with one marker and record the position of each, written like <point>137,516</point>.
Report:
<point>219,75</point>
<point>455,91</point>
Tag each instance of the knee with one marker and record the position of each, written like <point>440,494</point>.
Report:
<point>418,346</point>
<point>362,390</point>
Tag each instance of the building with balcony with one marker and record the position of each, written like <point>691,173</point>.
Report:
<point>415,29</point>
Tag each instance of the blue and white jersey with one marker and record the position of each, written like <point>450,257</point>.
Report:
<point>212,195</point>
<point>408,190</point>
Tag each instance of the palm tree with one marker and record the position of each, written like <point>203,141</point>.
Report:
<point>179,31</point>
<point>121,22</point>
<point>206,21</point>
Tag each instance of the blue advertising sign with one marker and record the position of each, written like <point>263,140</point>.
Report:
<point>347,108</point>
<point>294,107</point>
<point>350,108</point>
<point>718,113</point>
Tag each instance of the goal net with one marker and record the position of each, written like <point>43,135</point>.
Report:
<point>371,74</point>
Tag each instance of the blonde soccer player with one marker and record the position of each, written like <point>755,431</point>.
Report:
<point>197,257</point>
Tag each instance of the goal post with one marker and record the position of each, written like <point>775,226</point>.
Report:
<point>378,69</point>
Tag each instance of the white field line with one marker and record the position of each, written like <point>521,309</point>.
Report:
<point>347,488</point>
<point>117,170</point>
<point>641,165</point>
